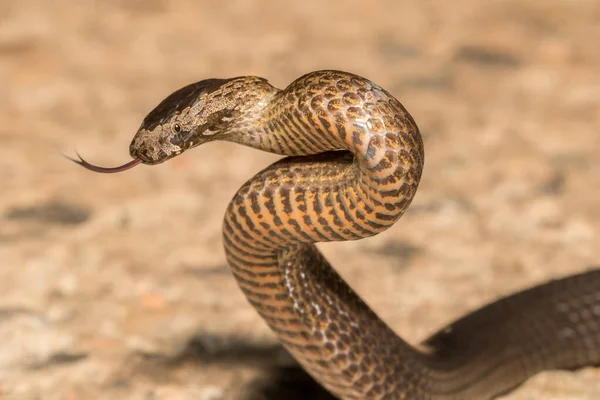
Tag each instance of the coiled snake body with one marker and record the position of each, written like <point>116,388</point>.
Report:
<point>355,162</point>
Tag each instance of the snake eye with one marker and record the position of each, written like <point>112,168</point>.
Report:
<point>176,128</point>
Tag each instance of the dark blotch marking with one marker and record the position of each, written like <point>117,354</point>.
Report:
<point>389,180</point>
<point>247,219</point>
<point>336,219</point>
<point>285,200</point>
<point>298,229</point>
<point>391,193</point>
<point>215,120</point>
<point>376,226</point>
<point>340,125</point>
<point>179,100</point>
<point>317,203</point>
<point>281,296</point>
<point>254,204</point>
<point>324,224</point>
<point>300,201</point>
<point>307,220</point>
<point>385,217</point>
<point>271,285</point>
<point>265,225</point>
<point>325,122</point>
<point>176,140</point>
<point>269,201</point>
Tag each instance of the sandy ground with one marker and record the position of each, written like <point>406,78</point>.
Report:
<point>116,286</point>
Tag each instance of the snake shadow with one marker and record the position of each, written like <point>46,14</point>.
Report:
<point>281,377</point>
<point>290,383</point>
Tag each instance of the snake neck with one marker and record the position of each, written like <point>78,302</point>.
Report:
<point>328,111</point>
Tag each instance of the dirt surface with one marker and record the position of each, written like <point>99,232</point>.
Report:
<point>116,286</point>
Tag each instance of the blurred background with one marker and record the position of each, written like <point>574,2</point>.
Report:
<point>116,286</point>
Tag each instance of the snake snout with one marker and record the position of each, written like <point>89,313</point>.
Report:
<point>154,147</point>
<point>140,152</point>
<point>143,155</point>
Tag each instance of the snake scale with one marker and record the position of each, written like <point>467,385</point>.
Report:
<point>355,158</point>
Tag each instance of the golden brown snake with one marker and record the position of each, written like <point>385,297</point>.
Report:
<point>356,158</point>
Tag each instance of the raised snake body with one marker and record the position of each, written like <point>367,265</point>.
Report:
<point>356,161</point>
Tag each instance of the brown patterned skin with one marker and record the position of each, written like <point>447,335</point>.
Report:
<point>356,161</point>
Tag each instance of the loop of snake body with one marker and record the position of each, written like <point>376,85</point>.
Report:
<point>355,161</point>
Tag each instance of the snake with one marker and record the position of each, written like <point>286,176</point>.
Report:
<point>354,157</point>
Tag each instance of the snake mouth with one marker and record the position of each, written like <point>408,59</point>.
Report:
<point>104,170</point>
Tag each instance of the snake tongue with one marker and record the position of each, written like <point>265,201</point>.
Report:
<point>104,170</point>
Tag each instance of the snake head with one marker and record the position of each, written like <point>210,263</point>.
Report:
<point>192,115</point>
<point>195,114</point>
